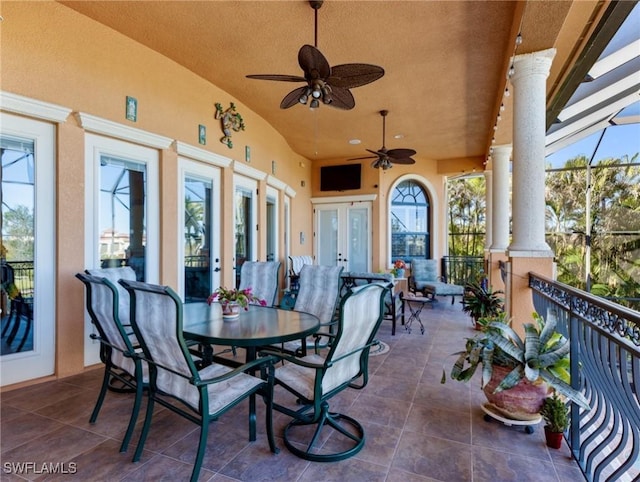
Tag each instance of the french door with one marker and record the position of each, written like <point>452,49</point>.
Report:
<point>200,247</point>
<point>343,235</point>
<point>27,248</point>
<point>122,208</point>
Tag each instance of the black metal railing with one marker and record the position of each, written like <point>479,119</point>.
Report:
<point>605,366</point>
<point>461,270</point>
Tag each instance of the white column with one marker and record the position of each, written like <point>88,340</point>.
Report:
<point>488,218</point>
<point>529,104</point>
<point>500,157</point>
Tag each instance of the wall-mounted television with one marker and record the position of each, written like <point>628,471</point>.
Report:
<point>340,178</point>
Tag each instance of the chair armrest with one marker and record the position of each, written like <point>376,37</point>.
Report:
<point>236,371</point>
<point>281,356</point>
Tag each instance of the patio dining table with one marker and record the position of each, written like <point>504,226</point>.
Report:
<point>258,326</point>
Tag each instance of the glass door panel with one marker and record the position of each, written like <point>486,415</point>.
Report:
<point>245,223</point>
<point>272,224</point>
<point>26,249</point>
<point>122,214</point>
<point>358,239</point>
<point>327,237</point>
<point>200,249</point>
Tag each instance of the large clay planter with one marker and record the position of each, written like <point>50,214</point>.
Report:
<point>522,402</point>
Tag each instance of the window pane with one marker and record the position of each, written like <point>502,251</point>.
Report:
<point>243,229</point>
<point>122,214</point>
<point>197,239</point>
<point>17,243</point>
<point>409,222</point>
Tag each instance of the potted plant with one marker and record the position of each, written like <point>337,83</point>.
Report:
<point>517,373</point>
<point>481,302</point>
<point>398,268</point>
<point>232,300</point>
<point>556,416</point>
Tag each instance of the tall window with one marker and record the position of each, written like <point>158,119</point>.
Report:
<point>409,222</point>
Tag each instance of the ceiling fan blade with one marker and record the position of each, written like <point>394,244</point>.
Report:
<point>402,160</point>
<point>360,158</point>
<point>354,75</point>
<point>292,98</point>
<point>310,59</point>
<point>281,78</point>
<point>377,153</point>
<point>400,153</point>
<point>342,99</point>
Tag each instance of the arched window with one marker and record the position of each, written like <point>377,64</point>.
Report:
<point>409,222</point>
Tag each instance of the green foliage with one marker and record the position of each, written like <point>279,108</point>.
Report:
<point>480,302</point>
<point>555,413</point>
<point>614,216</point>
<point>467,215</point>
<point>542,354</point>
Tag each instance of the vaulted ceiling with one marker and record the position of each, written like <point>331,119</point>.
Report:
<point>445,62</point>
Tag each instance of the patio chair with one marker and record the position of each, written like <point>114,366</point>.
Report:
<point>295,266</point>
<point>318,294</point>
<point>174,382</point>
<point>424,279</point>
<point>315,379</point>
<point>262,278</point>
<point>117,351</point>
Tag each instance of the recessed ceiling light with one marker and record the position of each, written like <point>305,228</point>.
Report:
<point>398,136</point>
<point>355,141</point>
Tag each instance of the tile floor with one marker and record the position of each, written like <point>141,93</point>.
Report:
<point>416,428</point>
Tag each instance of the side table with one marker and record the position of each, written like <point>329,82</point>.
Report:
<point>415,304</point>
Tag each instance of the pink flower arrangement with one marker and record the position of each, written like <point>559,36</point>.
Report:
<point>241,297</point>
<point>399,264</point>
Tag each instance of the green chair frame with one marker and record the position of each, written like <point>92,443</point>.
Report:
<point>315,378</point>
<point>203,395</point>
<point>117,351</point>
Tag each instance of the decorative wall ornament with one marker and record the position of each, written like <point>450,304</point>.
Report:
<point>229,120</point>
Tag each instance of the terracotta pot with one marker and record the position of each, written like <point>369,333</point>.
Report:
<point>522,402</point>
<point>554,439</point>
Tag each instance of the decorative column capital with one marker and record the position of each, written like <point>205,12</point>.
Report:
<point>535,63</point>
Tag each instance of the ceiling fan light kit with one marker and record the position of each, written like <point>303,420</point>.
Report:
<point>324,83</point>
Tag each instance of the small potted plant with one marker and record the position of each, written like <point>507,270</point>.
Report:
<point>398,268</point>
<point>481,302</point>
<point>556,416</point>
<point>232,300</point>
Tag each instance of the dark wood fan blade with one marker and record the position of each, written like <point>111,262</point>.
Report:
<point>400,153</point>
<point>310,59</point>
<point>292,98</point>
<point>377,153</point>
<point>402,160</point>
<point>342,99</point>
<point>360,158</point>
<point>281,78</point>
<point>354,75</point>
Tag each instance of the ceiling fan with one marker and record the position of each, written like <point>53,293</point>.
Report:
<point>324,83</point>
<point>385,158</point>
